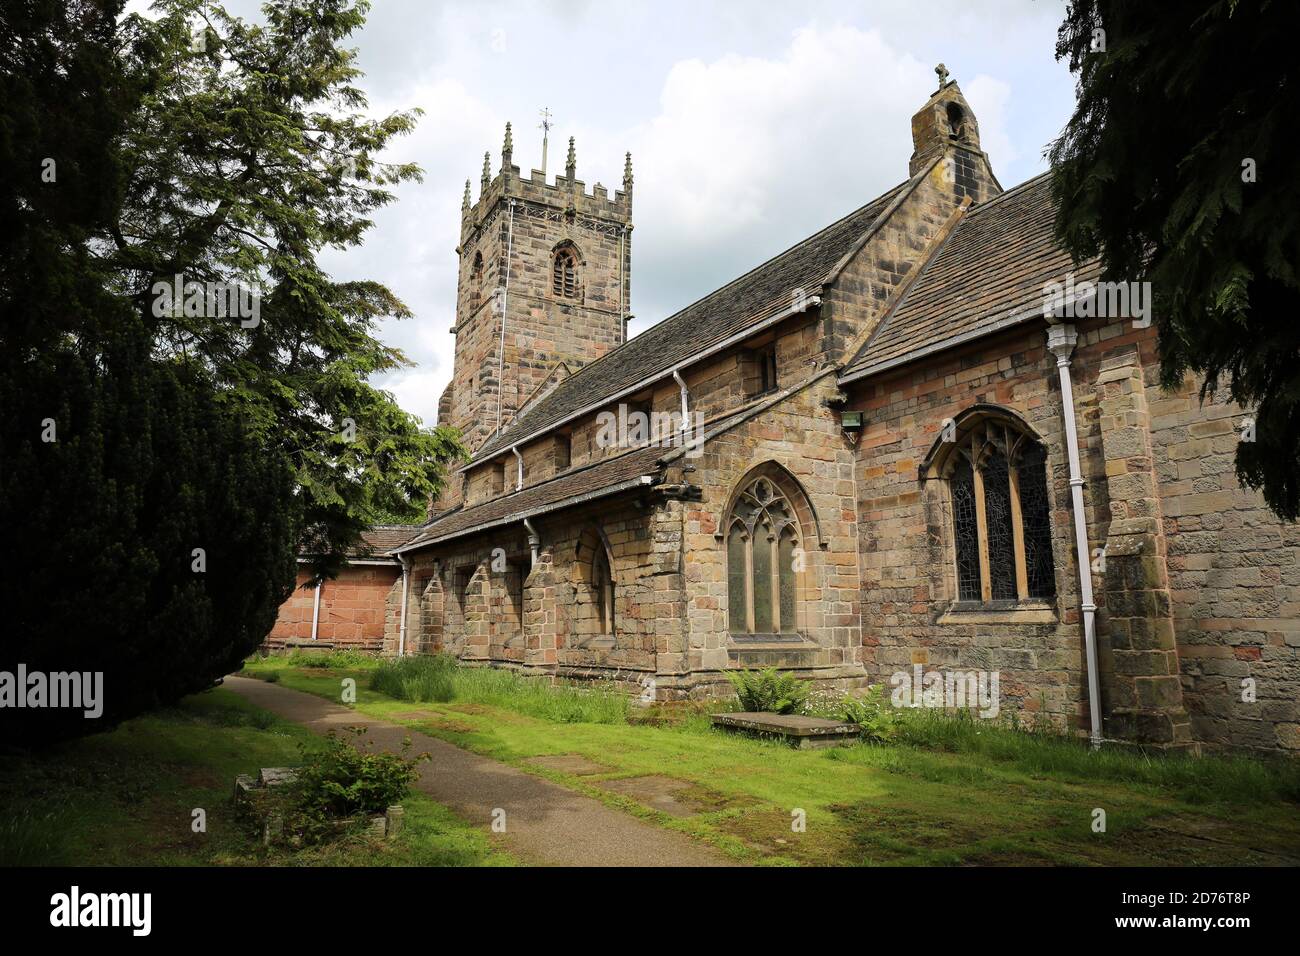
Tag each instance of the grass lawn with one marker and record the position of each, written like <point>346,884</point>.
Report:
<point>126,798</point>
<point>957,792</point>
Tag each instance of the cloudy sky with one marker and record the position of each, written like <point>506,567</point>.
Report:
<point>752,123</point>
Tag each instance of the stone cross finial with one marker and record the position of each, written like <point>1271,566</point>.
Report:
<point>627,172</point>
<point>464,203</point>
<point>487,170</point>
<point>943,75</point>
<point>571,164</point>
<point>507,151</point>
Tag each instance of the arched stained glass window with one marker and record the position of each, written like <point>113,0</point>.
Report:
<point>1002,533</point>
<point>762,557</point>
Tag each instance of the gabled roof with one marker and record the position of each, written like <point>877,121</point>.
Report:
<point>761,293</point>
<point>988,275</point>
<point>379,539</point>
<point>608,476</point>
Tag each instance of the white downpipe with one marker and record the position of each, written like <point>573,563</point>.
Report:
<point>1061,340</point>
<point>401,630</point>
<point>519,468</point>
<point>315,611</point>
<point>505,301</point>
<point>686,395</point>
<point>534,541</point>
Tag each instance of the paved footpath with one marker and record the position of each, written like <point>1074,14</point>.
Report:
<point>546,824</point>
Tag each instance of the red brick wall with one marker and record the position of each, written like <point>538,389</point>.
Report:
<point>351,609</point>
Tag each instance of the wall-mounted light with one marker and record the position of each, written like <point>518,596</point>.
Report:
<point>851,426</point>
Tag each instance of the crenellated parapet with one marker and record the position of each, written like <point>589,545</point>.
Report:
<point>566,195</point>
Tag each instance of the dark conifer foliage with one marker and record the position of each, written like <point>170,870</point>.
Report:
<point>1180,166</point>
<point>160,469</point>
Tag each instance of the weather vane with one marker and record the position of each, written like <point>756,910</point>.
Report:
<point>545,127</point>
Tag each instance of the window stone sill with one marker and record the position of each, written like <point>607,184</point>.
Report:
<point>970,612</point>
<point>786,639</point>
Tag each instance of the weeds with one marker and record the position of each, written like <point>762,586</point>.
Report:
<point>440,678</point>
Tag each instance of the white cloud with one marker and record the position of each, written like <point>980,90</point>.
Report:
<point>749,154</point>
<point>417,391</point>
<point>748,132</point>
<point>988,98</point>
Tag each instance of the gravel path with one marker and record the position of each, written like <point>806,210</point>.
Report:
<point>546,824</point>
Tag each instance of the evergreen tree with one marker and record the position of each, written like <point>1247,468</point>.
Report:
<point>160,466</point>
<point>1178,166</point>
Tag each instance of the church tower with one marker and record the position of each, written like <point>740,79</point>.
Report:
<point>545,277</point>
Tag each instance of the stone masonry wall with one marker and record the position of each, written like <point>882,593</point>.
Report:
<point>513,231</point>
<point>556,631</point>
<point>801,437</point>
<point>1215,566</point>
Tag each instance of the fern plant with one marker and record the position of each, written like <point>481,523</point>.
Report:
<point>769,690</point>
<point>875,718</point>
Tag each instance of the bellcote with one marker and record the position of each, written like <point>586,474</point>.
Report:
<point>945,120</point>
<point>946,126</point>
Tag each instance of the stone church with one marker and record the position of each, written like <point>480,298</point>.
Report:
<point>885,450</point>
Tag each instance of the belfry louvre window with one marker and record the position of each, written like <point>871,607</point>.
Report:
<point>1002,533</point>
<point>564,275</point>
<point>762,542</point>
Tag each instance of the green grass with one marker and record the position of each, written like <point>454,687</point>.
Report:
<point>946,792</point>
<point>416,678</point>
<point>126,798</point>
<point>438,678</point>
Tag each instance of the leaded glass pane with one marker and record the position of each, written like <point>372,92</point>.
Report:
<point>997,513</point>
<point>1035,509</point>
<point>964,532</point>
<point>762,582</point>
<point>787,579</point>
<point>736,580</point>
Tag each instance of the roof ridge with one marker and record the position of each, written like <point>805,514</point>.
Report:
<point>984,279</point>
<point>666,321</point>
<point>1031,181</point>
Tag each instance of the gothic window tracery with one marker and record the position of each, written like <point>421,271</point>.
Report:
<point>762,548</point>
<point>1002,540</point>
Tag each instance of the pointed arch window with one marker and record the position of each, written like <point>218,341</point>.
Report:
<point>602,585</point>
<point>564,273</point>
<point>762,552</point>
<point>1002,532</point>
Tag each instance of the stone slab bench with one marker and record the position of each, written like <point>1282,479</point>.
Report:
<point>805,733</point>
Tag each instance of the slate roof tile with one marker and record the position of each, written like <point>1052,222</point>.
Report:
<point>991,272</point>
<point>762,292</point>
